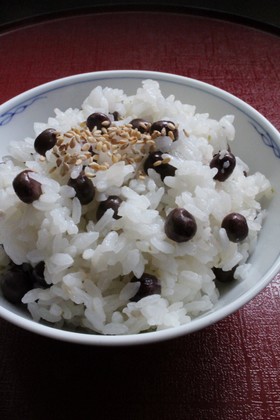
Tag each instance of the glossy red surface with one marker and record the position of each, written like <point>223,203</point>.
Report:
<point>230,370</point>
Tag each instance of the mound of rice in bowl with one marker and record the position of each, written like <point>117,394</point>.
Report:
<point>123,216</point>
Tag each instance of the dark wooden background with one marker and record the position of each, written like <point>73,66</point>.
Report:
<point>260,11</point>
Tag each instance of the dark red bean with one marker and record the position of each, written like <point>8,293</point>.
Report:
<point>116,115</point>
<point>235,225</point>
<point>165,128</point>
<point>26,188</point>
<point>224,276</point>
<point>113,202</point>
<point>37,275</point>
<point>141,125</point>
<point>45,141</point>
<point>225,163</point>
<point>98,120</point>
<point>15,283</point>
<point>83,187</point>
<point>180,225</point>
<point>149,285</point>
<point>165,169</point>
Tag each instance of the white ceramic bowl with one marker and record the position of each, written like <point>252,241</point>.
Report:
<point>257,143</point>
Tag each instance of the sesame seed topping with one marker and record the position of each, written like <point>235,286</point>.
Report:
<point>98,149</point>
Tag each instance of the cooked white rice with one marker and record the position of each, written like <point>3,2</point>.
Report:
<point>89,264</point>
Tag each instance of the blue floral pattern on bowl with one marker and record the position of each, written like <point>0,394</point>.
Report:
<point>266,138</point>
<point>7,116</point>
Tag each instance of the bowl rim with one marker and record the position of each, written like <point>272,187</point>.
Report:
<point>207,319</point>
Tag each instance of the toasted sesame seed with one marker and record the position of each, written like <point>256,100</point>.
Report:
<point>103,167</point>
<point>84,135</point>
<point>171,126</point>
<point>155,134</point>
<point>121,141</point>
<point>171,135</point>
<point>115,159</point>
<point>112,129</point>
<point>52,169</point>
<point>144,124</point>
<point>83,157</point>
<point>59,140</point>
<point>99,146</point>
<point>88,155</point>
<point>85,147</point>
<point>68,135</point>
<point>64,169</point>
<point>72,160</point>
<point>63,147</point>
<point>90,175</point>
<point>104,148</point>
<point>125,135</point>
<point>94,165</point>
<point>96,132</point>
<point>108,143</point>
<point>157,163</point>
<point>72,143</point>
<point>91,139</point>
